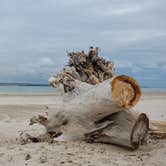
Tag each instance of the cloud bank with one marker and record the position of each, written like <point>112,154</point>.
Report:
<point>35,35</point>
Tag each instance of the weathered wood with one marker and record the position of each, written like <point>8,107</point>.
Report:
<point>157,130</point>
<point>127,129</point>
<point>100,115</point>
<point>101,100</point>
<point>89,68</point>
<point>98,105</point>
<point>125,91</point>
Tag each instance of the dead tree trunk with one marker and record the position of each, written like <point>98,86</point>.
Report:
<point>101,115</point>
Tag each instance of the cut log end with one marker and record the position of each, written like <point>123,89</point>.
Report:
<point>139,131</point>
<point>125,91</point>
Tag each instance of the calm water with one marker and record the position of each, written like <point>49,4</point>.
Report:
<point>154,89</point>
<point>48,89</point>
<point>26,89</point>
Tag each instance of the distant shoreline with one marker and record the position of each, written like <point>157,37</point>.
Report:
<point>22,84</point>
<point>47,85</point>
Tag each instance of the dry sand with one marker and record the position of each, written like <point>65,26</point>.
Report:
<point>17,109</point>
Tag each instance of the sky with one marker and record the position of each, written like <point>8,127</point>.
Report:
<point>35,35</point>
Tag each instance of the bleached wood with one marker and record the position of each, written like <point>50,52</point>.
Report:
<point>157,129</point>
<point>100,115</point>
<point>128,129</point>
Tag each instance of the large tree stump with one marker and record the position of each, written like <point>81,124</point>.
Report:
<point>100,115</point>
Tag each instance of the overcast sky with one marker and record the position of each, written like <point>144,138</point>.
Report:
<point>35,35</point>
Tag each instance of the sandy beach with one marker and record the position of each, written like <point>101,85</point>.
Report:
<point>17,109</point>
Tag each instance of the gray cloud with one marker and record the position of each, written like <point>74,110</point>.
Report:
<point>129,32</point>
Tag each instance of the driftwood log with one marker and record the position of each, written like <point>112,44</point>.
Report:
<point>157,130</point>
<point>102,114</point>
<point>128,129</point>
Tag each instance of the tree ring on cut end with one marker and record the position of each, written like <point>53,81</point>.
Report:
<point>125,91</point>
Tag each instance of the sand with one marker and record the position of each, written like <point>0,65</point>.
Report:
<point>17,109</point>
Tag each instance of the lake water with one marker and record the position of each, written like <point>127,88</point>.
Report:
<point>27,89</point>
<point>48,89</point>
